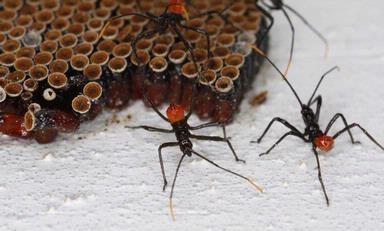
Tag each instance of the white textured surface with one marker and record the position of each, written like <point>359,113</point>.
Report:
<point>111,179</point>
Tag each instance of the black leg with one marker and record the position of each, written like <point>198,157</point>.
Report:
<point>319,174</point>
<point>312,28</point>
<point>204,33</point>
<point>227,170</point>
<point>140,36</point>
<point>153,106</point>
<point>292,40</point>
<point>190,50</point>
<point>134,42</point>
<point>280,120</point>
<point>218,139</point>
<point>320,81</point>
<point>206,125</point>
<point>164,145</point>
<point>362,129</point>
<point>149,17</point>
<point>269,27</point>
<point>225,132</point>
<point>151,129</point>
<point>173,187</point>
<point>333,120</point>
<point>291,133</point>
<point>318,100</point>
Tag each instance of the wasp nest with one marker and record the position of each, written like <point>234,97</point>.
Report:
<point>58,67</point>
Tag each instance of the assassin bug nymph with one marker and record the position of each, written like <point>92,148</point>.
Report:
<point>312,133</point>
<point>172,18</point>
<point>178,119</point>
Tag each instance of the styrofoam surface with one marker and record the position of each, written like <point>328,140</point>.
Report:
<point>109,179</point>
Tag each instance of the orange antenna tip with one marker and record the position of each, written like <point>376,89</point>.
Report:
<point>257,50</point>
<point>103,30</point>
<point>260,189</point>
<point>171,210</point>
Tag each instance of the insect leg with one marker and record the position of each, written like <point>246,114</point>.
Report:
<point>280,120</point>
<point>362,129</point>
<point>206,125</point>
<point>333,120</point>
<point>164,145</point>
<point>140,36</point>
<point>190,50</point>
<point>218,139</point>
<point>271,23</point>
<point>311,27</point>
<point>151,129</point>
<point>293,34</point>
<point>319,174</point>
<point>320,81</point>
<point>147,16</point>
<point>200,31</point>
<point>291,133</point>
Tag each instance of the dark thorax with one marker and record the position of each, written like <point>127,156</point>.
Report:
<point>182,135</point>
<point>312,128</point>
<point>168,19</point>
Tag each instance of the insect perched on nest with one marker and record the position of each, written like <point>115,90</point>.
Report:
<point>57,72</point>
<point>201,73</point>
<point>312,133</point>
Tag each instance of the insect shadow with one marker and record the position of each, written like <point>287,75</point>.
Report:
<point>312,133</point>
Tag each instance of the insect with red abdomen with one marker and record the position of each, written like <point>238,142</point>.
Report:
<point>178,119</point>
<point>312,133</point>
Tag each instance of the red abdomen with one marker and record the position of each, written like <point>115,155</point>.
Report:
<point>176,7</point>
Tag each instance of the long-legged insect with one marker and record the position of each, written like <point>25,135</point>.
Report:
<point>176,117</point>
<point>312,133</point>
<point>172,18</point>
<point>263,7</point>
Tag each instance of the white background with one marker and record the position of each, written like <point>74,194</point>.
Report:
<point>111,180</point>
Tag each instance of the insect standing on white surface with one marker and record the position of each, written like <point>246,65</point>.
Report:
<point>313,134</point>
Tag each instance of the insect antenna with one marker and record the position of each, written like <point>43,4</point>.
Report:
<point>311,27</point>
<point>293,34</point>
<point>143,71</point>
<point>173,187</point>
<point>321,79</point>
<point>277,69</point>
